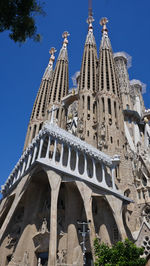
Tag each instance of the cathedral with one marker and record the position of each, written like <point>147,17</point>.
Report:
<point>85,167</point>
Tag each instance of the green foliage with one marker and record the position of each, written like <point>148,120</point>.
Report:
<point>121,254</point>
<point>18,16</point>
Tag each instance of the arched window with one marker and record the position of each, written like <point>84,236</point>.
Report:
<point>109,106</point>
<point>83,102</point>
<point>103,105</point>
<point>88,102</point>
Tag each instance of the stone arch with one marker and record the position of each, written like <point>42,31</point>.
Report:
<point>32,210</point>
<point>105,225</point>
<point>7,205</point>
<point>70,210</point>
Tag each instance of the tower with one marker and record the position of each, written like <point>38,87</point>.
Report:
<point>121,61</point>
<point>109,112</point>
<point>59,86</point>
<point>38,114</point>
<point>87,107</point>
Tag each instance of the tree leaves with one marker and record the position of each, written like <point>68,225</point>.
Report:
<point>121,254</point>
<point>18,16</point>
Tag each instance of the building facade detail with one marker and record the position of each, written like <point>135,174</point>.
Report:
<point>86,160</point>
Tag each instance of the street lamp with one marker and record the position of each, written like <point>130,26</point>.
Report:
<point>84,231</point>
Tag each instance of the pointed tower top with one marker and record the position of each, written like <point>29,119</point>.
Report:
<point>48,72</point>
<point>105,43</point>
<point>63,55</point>
<point>65,35</point>
<point>52,51</point>
<point>90,16</point>
<point>90,37</point>
<point>90,8</point>
<point>103,23</point>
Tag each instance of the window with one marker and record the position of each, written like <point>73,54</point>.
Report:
<point>103,105</point>
<point>57,114</point>
<point>40,127</point>
<point>88,117</point>
<point>94,107</point>
<point>109,106</point>
<point>139,194</point>
<point>83,102</point>
<point>115,109</point>
<point>88,102</point>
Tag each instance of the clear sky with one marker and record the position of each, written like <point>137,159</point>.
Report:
<point>22,67</point>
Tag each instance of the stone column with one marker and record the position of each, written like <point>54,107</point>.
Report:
<point>116,207</point>
<point>86,194</point>
<point>21,188</point>
<point>55,181</point>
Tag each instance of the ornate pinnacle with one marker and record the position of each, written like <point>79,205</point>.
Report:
<point>103,23</point>
<point>52,51</point>
<point>90,17</point>
<point>90,21</point>
<point>65,35</point>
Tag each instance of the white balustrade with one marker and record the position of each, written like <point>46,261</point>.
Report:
<point>77,162</point>
<point>69,158</point>
<point>34,153</point>
<point>41,146</point>
<point>90,156</point>
<point>28,162</point>
<point>103,176</point>
<point>48,147</point>
<point>85,166</point>
<point>55,149</point>
<point>14,177</point>
<point>23,167</point>
<point>113,177</point>
<point>61,155</point>
<point>18,174</point>
<point>94,170</point>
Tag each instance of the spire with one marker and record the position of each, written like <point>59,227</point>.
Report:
<point>90,16</point>
<point>59,85</point>
<point>88,86</point>
<point>63,55</point>
<point>107,74</point>
<point>38,115</point>
<point>90,37</point>
<point>90,8</point>
<point>49,70</point>
<point>110,118</point>
<point>105,43</point>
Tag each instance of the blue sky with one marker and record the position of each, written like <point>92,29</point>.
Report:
<point>22,67</point>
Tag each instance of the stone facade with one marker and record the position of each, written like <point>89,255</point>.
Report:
<point>86,160</point>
